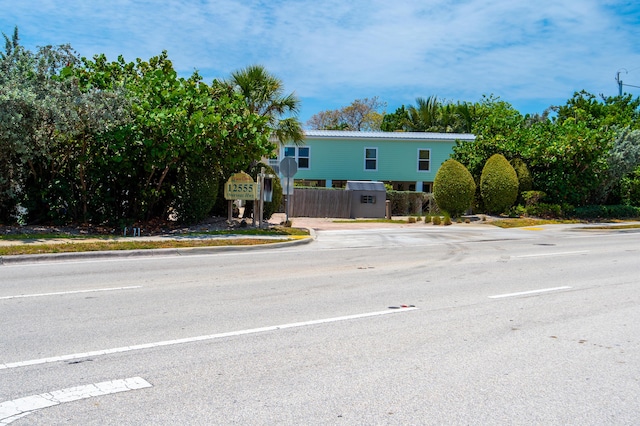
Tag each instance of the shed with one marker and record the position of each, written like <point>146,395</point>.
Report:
<point>367,198</point>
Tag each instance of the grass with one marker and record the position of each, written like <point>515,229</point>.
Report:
<point>528,221</point>
<point>627,226</point>
<point>259,232</point>
<point>522,222</point>
<point>71,247</point>
<point>68,243</point>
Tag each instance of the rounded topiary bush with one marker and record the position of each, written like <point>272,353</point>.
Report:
<point>453,188</point>
<point>498,184</point>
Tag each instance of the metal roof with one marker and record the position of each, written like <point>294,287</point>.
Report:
<point>347,134</point>
<point>365,185</point>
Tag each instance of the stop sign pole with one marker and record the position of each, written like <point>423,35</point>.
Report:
<point>288,168</point>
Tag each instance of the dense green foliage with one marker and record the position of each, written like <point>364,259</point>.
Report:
<point>453,188</point>
<point>116,142</point>
<point>498,184</point>
<point>579,157</point>
<point>525,181</point>
<point>431,115</point>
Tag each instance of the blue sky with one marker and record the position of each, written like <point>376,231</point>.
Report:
<point>532,54</point>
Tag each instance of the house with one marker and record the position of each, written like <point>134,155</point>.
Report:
<point>406,160</point>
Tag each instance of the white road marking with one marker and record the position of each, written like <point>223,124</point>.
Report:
<point>11,411</point>
<point>70,292</point>
<point>522,293</point>
<point>68,357</point>
<point>564,253</point>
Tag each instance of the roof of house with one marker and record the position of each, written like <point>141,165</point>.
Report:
<point>347,134</point>
<point>360,185</point>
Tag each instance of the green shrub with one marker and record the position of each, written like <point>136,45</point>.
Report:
<point>405,203</point>
<point>447,220</point>
<point>498,184</point>
<point>545,210</point>
<point>605,212</point>
<point>436,220</point>
<point>525,181</point>
<point>531,198</point>
<point>195,195</point>
<point>453,188</point>
<point>630,188</point>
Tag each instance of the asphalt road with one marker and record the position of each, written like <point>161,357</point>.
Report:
<point>526,326</point>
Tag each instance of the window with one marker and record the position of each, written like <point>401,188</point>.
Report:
<point>371,158</point>
<point>367,199</point>
<point>302,155</point>
<point>424,160</point>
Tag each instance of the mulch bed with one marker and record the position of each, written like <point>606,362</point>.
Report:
<point>153,227</point>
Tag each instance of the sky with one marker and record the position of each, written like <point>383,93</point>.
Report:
<point>532,54</point>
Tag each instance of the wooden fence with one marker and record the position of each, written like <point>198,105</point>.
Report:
<point>311,202</point>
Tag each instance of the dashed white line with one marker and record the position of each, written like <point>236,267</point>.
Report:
<point>523,293</point>
<point>69,357</point>
<point>11,411</point>
<point>19,296</point>
<point>564,253</point>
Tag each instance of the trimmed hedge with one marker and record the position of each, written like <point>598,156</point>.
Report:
<point>453,188</point>
<point>498,184</point>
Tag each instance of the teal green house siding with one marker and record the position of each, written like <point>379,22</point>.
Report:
<point>340,155</point>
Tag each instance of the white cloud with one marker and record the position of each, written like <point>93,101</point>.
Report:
<point>334,51</point>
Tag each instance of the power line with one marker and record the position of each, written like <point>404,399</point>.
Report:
<point>619,80</point>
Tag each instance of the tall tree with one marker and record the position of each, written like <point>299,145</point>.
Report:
<point>265,96</point>
<point>360,115</point>
<point>397,121</point>
<point>326,120</point>
<point>424,117</point>
<point>431,115</point>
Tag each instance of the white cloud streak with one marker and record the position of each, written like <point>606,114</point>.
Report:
<point>333,51</point>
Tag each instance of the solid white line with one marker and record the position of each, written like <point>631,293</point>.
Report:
<point>565,253</point>
<point>522,293</point>
<point>68,357</point>
<point>11,411</point>
<point>70,292</point>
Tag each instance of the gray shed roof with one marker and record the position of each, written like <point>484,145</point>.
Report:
<point>346,134</point>
<point>362,185</point>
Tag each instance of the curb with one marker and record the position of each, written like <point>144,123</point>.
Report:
<point>185,251</point>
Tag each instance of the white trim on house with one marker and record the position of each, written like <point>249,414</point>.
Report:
<point>342,134</point>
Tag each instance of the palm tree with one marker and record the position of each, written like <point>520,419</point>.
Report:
<point>425,116</point>
<point>264,94</point>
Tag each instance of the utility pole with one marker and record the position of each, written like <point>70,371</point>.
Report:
<point>620,81</point>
